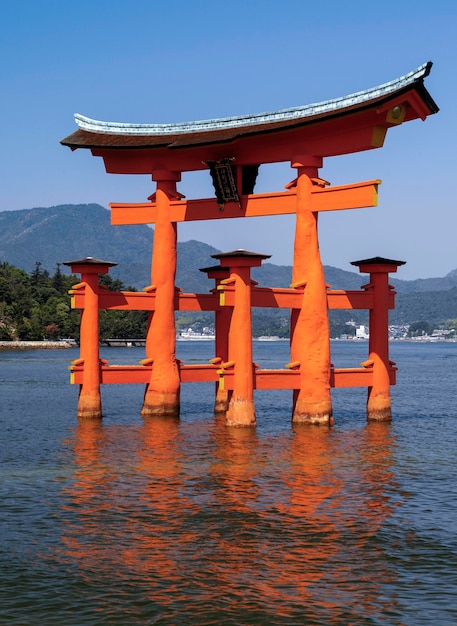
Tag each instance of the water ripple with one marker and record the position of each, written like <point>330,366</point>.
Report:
<point>167,522</point>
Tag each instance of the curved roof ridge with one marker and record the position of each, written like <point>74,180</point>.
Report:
<point>122,128</point>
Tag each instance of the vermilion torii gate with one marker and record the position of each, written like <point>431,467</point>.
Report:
<point>232,149</point>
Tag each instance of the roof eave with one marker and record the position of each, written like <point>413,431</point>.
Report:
<point>84,139</point>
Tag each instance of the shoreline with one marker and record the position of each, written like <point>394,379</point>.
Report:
<point>36,345</point>
<point>65,345</point>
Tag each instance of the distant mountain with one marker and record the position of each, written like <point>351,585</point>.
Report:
<point>67,232</point>
<point>421,285</point>
<point>56,234</point>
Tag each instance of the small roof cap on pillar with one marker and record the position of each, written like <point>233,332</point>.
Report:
<point>240,253</point>
<point>378,260</point>
<point>89,260</point>
<point>377,265</point>
<point>214,268</point>
<point>89,265</point>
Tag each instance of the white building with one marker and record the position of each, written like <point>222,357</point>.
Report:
<point>362,332</point>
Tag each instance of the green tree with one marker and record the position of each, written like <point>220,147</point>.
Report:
<point>420,328</point>
<point>57,281</point>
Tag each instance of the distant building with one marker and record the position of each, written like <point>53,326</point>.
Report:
<point>362,332</point>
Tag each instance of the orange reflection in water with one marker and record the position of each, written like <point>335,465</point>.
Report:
<point>201,515</point>
<point>158,530</point>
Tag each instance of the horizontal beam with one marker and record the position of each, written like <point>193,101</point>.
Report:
<point>354,377</point>
<point>263,379</point>
<point>271,298</point>
<point>141,374</point>
<point>140,301</point>
<point>197,302</point>
<point>275,298</point>
<point>354,299</point>
<point>353,196</point>
<point>292,298</point>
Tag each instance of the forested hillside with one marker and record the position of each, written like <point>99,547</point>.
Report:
<point>36,306</point>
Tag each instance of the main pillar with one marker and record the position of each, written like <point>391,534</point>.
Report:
<point>89,400</point>
<point>379,408</point>
<point>310,336</point>
<point>163,390</point>
<point>241,409</point>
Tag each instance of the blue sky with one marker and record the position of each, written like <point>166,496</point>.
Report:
<point>177,60</point>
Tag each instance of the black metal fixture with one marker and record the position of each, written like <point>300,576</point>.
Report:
<point>223,174</point>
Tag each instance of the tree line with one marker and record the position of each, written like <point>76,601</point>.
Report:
<point>37,306</point>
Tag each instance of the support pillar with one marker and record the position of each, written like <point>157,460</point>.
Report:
<point>241,409</point>
<point>163,390</point>
<point>310,335</point>
<point>222,319</point>
<point>89,400</point>
<point>379,407</point>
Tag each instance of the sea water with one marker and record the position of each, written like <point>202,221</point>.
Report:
<point>189,522</point>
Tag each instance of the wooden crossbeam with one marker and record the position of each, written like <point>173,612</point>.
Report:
<point>263,379</point>
<point>278,298</point>
<point>139,301</point>
<point>353,196</point>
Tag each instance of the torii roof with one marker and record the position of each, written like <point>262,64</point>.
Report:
<point>304,130</point>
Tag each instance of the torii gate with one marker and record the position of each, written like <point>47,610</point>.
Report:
<point>232,149</point>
